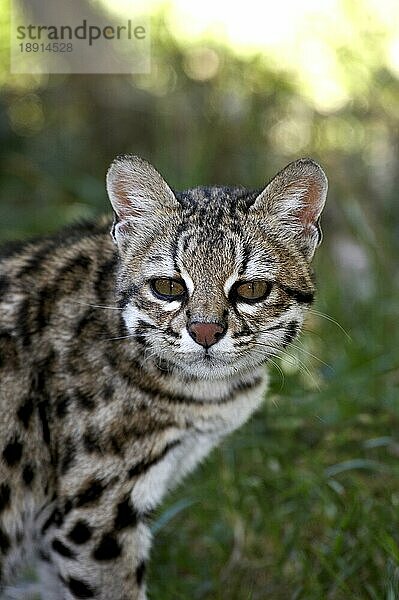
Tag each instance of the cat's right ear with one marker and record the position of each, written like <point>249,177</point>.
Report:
<point>138,194</point>
<point>294,199</point>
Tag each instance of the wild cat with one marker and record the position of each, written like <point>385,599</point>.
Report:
<point>125,359</point>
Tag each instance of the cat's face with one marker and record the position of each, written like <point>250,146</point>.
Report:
<point>214,281</point>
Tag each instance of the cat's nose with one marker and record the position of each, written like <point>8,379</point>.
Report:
<point>206,334</point>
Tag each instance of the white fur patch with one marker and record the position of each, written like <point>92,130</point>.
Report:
<point>132,315</point>
<point>187,280</point>
<point>150,488</point>
<point>187,343</point>
<point>230,281</point>
<point>211,424</point>
<point>165,268</point>
<point>249,309</point>
<point>171,306</point>
<point>258,267</point>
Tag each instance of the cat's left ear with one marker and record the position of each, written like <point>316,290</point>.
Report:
<point>294,200</point>
<point>139,196</point>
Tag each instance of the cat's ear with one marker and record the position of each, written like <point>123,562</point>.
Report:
<point>294,199</point>
<point>138,194</point>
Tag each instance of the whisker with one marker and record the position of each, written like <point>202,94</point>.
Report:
<point>277,353</point>
<point>306,329</point>
<point>148,357</point>
<point>305,369</point>
<point>105,307</point>
<point>310,354</point>
<point>295,361</point>
<point>121,337</point>
<point>280,372</point>
<point>328,318</point>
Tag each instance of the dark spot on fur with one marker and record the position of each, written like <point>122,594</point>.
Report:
<point>84,400</point>
<point>68,505</point>
<point>55,518</point>
<point>24,412</point>
<point>28,474</point>
<point>71,275</point>
<point>19,536</point>
<point>5,494</point>
<point>79,588</point>
<point>42,408</point>
<point>80,533</point>
<point>162,365</point>
<point>90,493</point>
<point>172,333</point>
<point>126,295</point>
<point>144,465</point>
<point>140,572</point>
<point>112,361</point>
<point>4,284</point>
<point>125,516</point>
<point>8,351</point>
<point>244,332</point>
<point>23,323</point>
<point>61,549</point>
<point>114,445</point>
<point>291,329</point>
<point>301,296</point>
<point>4,541</point>
<point>61,406</point>
<point>140,339</point>
<point>12,452</point>
<point>108,548</point>
<point>90,441</point>
<point>246,254</point>
<point>44,556</point>
<point>45,304</point>
<point>36,258</point>
<point>81,260</point>
<point>104,271</point>
<point>68,455</point>
<point>143,326</point>
<point>87,319</point>
<point>108,391</point>
<point>11,248</point>
<point>41,398</point>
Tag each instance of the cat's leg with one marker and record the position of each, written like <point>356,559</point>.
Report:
<point>97,557</point>
<point>113,567</point>
<point>51,587</point>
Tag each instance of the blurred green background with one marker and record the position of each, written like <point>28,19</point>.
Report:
<point>302,502</point>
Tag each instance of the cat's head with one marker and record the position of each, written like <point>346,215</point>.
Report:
<point>213,281</point>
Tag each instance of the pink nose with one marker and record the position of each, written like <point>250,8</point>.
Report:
<point>205,334</point>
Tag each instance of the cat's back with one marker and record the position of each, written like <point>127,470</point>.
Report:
<point>36,274</point>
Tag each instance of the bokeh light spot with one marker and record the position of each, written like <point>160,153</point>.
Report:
<point>26,115</point>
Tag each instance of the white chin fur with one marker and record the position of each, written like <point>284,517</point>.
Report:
<point>214,368</point>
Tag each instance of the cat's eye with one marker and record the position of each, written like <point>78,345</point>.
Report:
<point>168,288</point>
<point>252,291</point>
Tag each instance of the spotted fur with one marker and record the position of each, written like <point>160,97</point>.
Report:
<point>107,400</point>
